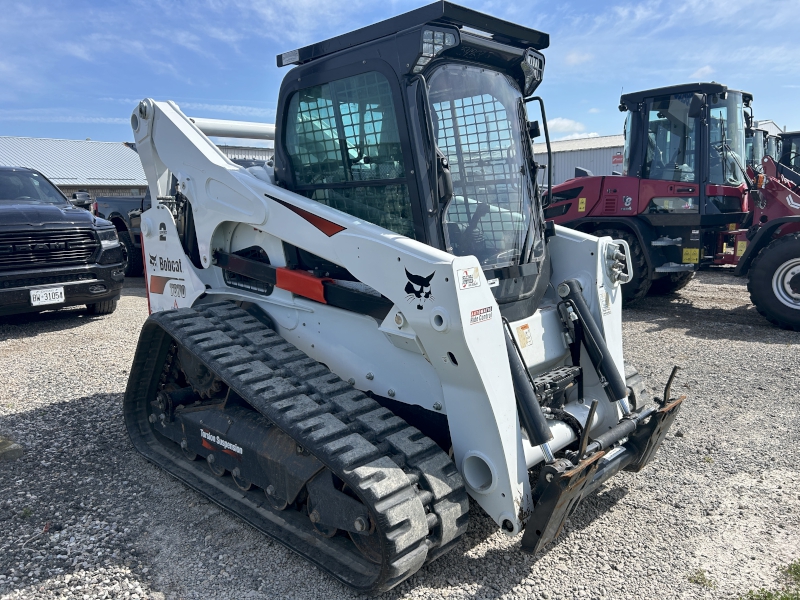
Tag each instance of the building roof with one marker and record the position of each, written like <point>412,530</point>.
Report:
<point>75,162</point>
<point>589,143</point>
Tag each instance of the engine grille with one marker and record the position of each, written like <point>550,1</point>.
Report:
<point>55,247</point>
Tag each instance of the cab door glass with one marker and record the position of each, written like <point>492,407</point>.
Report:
<point>726,140</point>
<point>344,144</point>
<point>671,140</point>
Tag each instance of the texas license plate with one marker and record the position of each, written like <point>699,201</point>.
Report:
<point>47,296</point>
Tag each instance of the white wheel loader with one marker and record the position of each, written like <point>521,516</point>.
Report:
<point>358,336</point>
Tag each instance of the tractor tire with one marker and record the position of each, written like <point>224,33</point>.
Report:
<point>774,282</point>
<point>639,285</point>
<point>132,256</point>
<point>669,284</point>
<point>102,308</point>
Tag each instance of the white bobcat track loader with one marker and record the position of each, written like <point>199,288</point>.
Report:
<point>381,322</point>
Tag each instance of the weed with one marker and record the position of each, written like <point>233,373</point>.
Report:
<point>792,573</point>
<point>700,577</point>
<point>708,459</point>
<point>26,512</point>
<point>791,591</point>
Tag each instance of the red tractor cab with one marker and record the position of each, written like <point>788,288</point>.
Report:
<point>683,182</point>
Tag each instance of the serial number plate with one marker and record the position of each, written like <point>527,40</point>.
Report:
<point>47,296</point>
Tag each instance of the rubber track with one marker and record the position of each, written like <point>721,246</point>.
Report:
<point>410,485</point>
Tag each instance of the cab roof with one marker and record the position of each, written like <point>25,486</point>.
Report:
<point>635,98</point>
<point>441,12</point>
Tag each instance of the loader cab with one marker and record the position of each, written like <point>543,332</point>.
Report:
<point>789,151</point>
<point>418,124</point>
<point>688,143</point>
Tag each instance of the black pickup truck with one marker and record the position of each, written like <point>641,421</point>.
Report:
<point>125,213</point>
<point>53,254</point>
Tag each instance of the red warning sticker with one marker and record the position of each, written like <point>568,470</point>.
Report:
<point>480,315</point>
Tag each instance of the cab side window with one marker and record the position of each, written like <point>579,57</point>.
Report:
<point>344,144</point>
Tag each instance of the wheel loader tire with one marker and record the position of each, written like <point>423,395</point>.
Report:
<point>102,308</point>
<point>132,255</point>
<point>669,284</point>
<point>415,497</point>
<point>774,282</point>
<point>639,285</point>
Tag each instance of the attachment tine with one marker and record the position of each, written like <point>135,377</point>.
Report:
<point>585,432</point>
<point>668,388</point>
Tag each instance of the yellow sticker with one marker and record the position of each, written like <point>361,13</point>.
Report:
<point>691,255</point>
<point>581,204</point>
<point>524,336</point>
<point>732,227</point>
<point>741,247</point>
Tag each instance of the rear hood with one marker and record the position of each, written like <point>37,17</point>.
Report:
<point>48,216</point>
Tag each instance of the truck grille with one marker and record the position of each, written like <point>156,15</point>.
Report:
<point>21,250</point>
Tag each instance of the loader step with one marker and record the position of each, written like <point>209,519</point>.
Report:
<point>412,491</point>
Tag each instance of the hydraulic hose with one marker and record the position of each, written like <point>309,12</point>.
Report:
<point>617,391</point>
<point>530,413</point>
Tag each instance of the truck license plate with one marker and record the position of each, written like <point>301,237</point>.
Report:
<point>47,296</point>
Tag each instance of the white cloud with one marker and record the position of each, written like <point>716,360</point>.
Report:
<point>230,109</point>
<point>594,111</point>
<point>702,73</point>
<point>576,58</point>
<point>39,117</point>
<point>577,136</point>
<point>562,125</point>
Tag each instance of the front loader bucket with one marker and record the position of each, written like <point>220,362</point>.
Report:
<point>562,485</point>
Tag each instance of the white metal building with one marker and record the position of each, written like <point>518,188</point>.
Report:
<point>100,168</point>
<point>600,155</point>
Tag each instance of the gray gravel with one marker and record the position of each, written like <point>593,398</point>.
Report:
<point>723,494</point>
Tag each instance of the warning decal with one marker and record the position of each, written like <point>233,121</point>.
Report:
<point>469,278</point>
<point>480,315</point>
<point>524,336</point>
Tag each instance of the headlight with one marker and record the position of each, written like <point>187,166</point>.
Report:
<point>108,238</point>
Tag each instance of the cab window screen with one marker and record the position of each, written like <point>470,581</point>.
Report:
<point>344,145</point>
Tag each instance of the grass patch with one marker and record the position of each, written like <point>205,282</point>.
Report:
<point>26,512</point>
<point>790,591</point>
<point>708,459</point>
<point>701,578</point>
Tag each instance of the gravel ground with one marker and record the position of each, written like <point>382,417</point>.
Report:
<point>83,516</point>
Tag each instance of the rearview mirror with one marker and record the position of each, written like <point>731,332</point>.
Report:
<point>533,129</point>
<point>696,106</point>
<point>81,200</point>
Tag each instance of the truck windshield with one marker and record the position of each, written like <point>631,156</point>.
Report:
<point>671,139</point>
<point>493,214</point>
<point>726,139</point>
<point>26,187</point>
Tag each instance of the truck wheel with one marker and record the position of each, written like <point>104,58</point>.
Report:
<point>131,255</point>
<point>638,286</point>
<point>671,283</point>
<point>774,282</point>
<point>102,308</point>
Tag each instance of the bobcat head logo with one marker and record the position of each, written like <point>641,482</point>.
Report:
<point>153,260</point>
<point>418,288</point>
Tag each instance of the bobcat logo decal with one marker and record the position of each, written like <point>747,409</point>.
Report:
<point>418,288</point>
<point>153,260</point>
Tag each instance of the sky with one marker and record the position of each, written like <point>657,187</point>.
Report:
<point>76,69</point>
